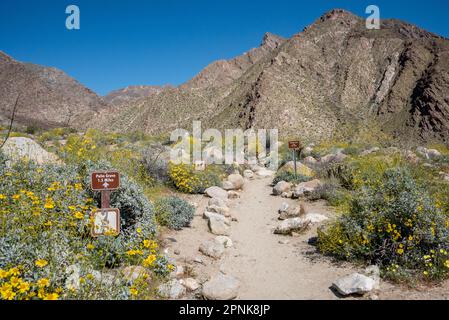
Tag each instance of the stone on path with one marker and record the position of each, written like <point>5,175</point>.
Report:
<point>355,283</point>
<point>218,202</point>
<point>225,241</point>
<point>220,210</point>
<point>281,187</point>
<point>219,227</point>
<point>221,287</point>
<point>227,185</point>
<point>233,194</point>
<point>305,188</point>
<point>248,174</point>
<point>236,180</point>
<point>217,192</point>
<point>212,248</point>
<point>265,173</point>
<point>291,225</point>
<point>173,289</point>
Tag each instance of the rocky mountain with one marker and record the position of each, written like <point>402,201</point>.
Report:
<point>132,94</point>
<point>48,96</point>
<point>334,75</point>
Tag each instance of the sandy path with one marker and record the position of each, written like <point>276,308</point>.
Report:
<point>267,268</point>
<point>270,269</point>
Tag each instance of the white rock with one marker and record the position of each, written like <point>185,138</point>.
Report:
<point>314,218</point>
<point>173,289</point>
<point>265,173</point>
<point>217,192</point>
<point>221,287</point>
<point>306,187</point>
<point>212,248</point>
<point>248,174</point>
<point>227,185</point>
<point>281,187</point>
<point>17,148</point>
<point>237,181</point>
<point>290,225</point>
<point>220,210</point>
<point>219,227</point>
<point>355,283</point>
<point>218,202</point>
<point>225,241</point>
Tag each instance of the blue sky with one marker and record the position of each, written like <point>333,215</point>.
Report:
<point>158,42</point>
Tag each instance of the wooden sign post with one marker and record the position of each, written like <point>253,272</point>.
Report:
<point>105,219</point>
<point>294,146</point>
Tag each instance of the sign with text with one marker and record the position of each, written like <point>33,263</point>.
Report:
<point>105,180</point>
<point>106,222</point>
<point>294,145</point>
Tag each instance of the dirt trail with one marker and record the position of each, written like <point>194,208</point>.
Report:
<point>272,266</point>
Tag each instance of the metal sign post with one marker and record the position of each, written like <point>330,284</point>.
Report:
<point>106,219</point>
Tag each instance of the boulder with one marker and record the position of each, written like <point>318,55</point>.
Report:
<point>236,180</point>
<point>264,173</point>
<point>355,283</point>
<point>305,188</point>
<point>173,289</point>
<point>291,225</point>
<point>293,212</point>
<point>281,187</point>
<point>428,153</point>
<point>307,151</point>
<point>217,192</point>
<point>212,248</point>
<point>301,169</point>
<point>221,287</point>
<point>333,158</point>
<point>219,227</point>
<point>18,148</point>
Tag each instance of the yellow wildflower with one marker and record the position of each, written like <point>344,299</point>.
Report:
<point>44,282</point>
<point>41,263</point>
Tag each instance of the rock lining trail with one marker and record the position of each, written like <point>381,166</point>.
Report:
<point>270,266</point>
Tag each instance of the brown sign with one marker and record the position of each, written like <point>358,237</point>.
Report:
<point>295,145</point>
<point>105,222</point>
<point>105,180</point>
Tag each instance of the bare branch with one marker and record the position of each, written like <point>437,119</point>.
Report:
<point>12,121</point>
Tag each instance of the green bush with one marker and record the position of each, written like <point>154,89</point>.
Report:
<point>45,228</point>
<point>396,224</point>
<point>289,176</point>
<point>174,212</point>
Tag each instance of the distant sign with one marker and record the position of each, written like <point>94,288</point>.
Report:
<point>105,180</point>
<point>105,222</point>
<point>295,145</point>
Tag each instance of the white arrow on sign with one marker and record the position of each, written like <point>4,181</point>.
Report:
<point>105,184</point>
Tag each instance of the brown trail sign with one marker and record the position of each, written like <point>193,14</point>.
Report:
<point>106,182</point>
<point>295,145</point>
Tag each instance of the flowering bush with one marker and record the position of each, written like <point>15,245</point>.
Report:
<point>188,180</point>
<point>45,231</point>
<point>174,212</point>
<point>395,223</point>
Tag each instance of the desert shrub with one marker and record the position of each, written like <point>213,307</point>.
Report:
<point>289,176</point>
<point>342,172</point>
<point>186,179</point>
<point>45,228</point>
<point>331,191</point>
<point>155,162</point>
<point>394,223</point>
<point>174,212</point>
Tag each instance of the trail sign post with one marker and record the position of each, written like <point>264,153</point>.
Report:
<point>105,221</point>
<point>105,182</point>
<point>294,146</point>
